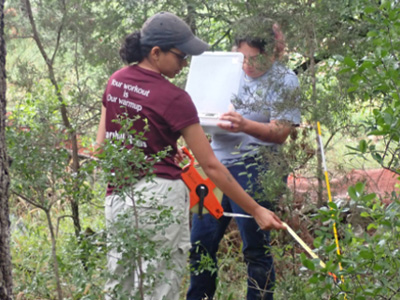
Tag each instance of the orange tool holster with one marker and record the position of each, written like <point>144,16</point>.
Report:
<point>201,189</point>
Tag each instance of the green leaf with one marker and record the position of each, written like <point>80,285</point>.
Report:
<point>349,62</point>
<point>359,187</point>
<point>332,205</point>
<point>367,254</point>
<point>317,242</point>
<point>388,118</point>
<point>377,132</point>
<point>364,214</point>
<point>314,279</point>
<point>362,146</point>
<point>385,5</point>
<point>369,197</point>
<point>308,264</point>
<point>366,65</point>
<point>352,89</point>
<point>372,33</point>
<point>352,193</point>
<point>345,70</point>
<point>369,9</point>
<point>377,157</point>
<point>331,248</point>
<point>355,79</point>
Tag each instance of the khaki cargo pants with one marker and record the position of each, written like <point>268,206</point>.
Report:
<point>176,236</point>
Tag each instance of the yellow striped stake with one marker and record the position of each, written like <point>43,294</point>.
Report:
<point>329,194</point>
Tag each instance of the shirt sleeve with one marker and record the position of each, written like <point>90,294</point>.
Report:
<point>286,104</point>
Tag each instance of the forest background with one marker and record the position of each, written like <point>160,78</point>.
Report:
<point>60,54</point>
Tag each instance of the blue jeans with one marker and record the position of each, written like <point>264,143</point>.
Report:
<point>207,232</point>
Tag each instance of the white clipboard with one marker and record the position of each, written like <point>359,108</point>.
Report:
<point>213,81</point>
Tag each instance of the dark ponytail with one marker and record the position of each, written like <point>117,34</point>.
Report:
<point>131,50</point>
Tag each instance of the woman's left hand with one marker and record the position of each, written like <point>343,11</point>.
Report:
<point>237,122</point>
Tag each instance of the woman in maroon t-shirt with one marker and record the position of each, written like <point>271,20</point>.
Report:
<point>160,49</point>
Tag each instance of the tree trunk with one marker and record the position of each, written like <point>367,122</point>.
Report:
<point>49,59</point>
<point>5,257</point>
<point>54,254</point>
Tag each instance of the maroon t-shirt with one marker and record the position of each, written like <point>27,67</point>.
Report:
<point>167,108</point>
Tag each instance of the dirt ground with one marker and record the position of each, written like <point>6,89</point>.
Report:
<point>380,181</point>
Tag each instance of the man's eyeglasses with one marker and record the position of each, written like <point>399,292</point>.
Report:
<point>251,60</point>
<point>182,57</point>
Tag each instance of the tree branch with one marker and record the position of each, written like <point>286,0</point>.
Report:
<point>30,201</point>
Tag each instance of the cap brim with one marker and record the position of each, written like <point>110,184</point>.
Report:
<point>195,46</point>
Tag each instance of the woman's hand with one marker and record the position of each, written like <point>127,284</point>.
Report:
<point>267,220</point>
<point>179,156</point>
<point>237,122</point>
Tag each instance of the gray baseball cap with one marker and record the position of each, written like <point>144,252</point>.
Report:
<point>166,29</point>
